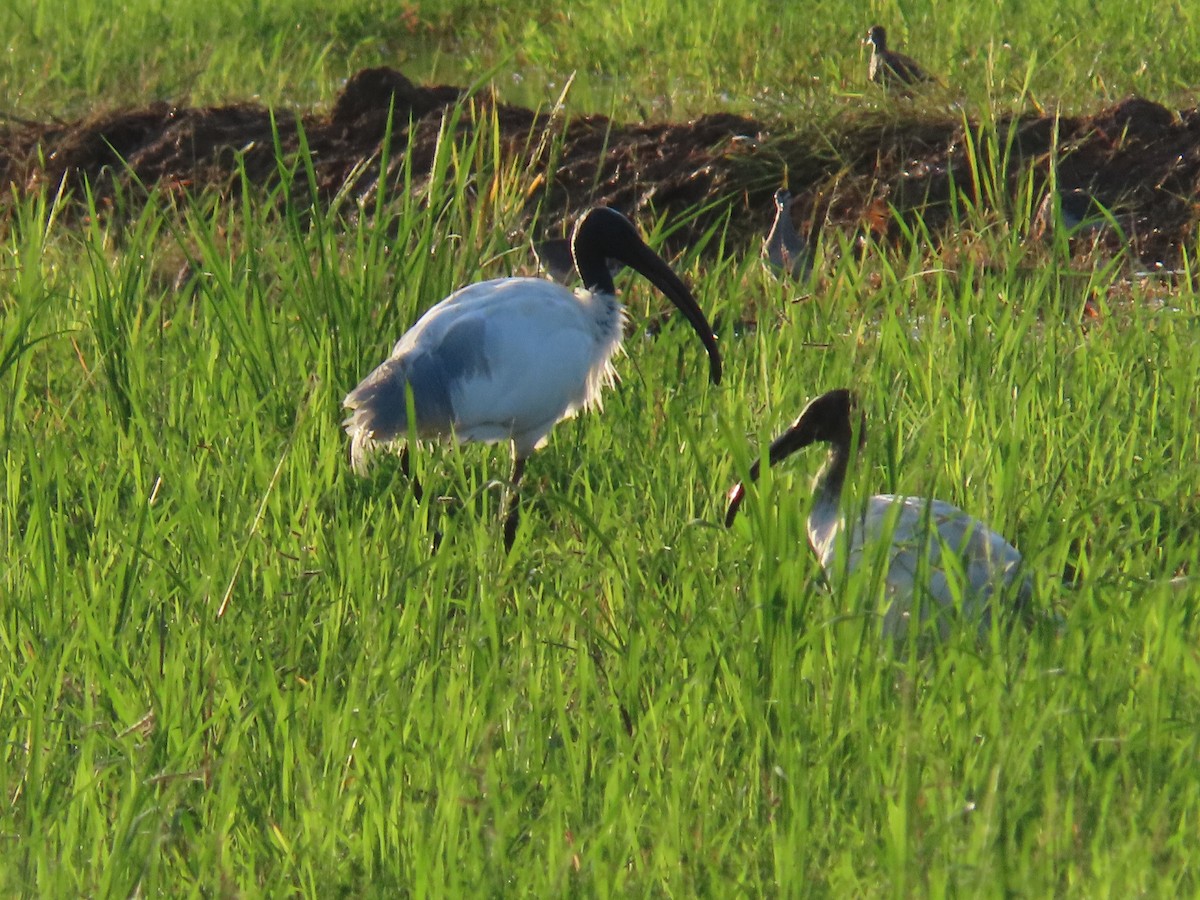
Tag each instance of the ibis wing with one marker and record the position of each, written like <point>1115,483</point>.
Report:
<point>498,360</point>
<point>935,546</point>
<point>538,371</point>
<point>520,354</point>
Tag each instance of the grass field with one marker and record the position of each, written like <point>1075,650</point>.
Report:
<point>228,666</point>
<point>634,59</point>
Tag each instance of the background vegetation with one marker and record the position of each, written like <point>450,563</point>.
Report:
<point>228,666</point>
<point>648,59</point>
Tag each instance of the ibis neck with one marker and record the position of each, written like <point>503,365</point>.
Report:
<point>827,487</point>
<point>594,271</point>
<point>607,315</point>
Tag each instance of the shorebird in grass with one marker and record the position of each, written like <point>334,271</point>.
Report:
<point>1080,213</point>
<point>785,251</point>
<point>504,360</point>
<point>887,67</point>
<point>929,548</point>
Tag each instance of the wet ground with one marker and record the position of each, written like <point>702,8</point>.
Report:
<point>1137,158</point>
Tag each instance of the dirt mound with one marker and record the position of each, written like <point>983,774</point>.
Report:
<point>1138,159</point>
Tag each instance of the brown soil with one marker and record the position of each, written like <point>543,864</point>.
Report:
<point>1137,158</point>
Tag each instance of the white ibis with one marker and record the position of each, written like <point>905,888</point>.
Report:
<point>935,548</point>
<point>786,252</point>
<point>887,67</point>
<point>504,360</point>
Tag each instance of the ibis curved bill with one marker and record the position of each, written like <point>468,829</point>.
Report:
<point>504,360</point>
<point>930,548</point>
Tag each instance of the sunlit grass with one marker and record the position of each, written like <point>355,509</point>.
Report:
<point>229,666</point>
<point>643,60</point>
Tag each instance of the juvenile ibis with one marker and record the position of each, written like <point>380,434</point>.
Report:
<point>785,251</point>
<point>504,360</point>
<point>930,548</point>
<point>887,67</point>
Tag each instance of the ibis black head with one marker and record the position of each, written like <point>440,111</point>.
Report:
<point>878,37</point>
<point>603,234</point>
<point>555,258</point>
<point>826,419</point>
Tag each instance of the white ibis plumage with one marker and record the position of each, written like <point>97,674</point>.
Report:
<point>887,67</point>
<point>504,360</point>
<point>936,550</point>
<point>786,252</point>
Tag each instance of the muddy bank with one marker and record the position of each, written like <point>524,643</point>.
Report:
<point>1137,158</point>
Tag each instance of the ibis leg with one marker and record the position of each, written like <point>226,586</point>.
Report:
<point>413,480</point>
<point>513,517</point>
<point>419,494</point>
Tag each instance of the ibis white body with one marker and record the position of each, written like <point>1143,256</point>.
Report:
<point>918,548</point>
<point>504,360</point>
<point>500,360</point>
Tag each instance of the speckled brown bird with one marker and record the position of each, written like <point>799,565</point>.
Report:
<point>887,67</point>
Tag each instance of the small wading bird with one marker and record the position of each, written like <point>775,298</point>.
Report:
<point>504,360</point>
<point>933,548</point>
<point>887,67</point>
<point>1081,214</point>
<point>786,252</point>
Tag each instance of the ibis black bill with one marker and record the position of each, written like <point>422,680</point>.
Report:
<point>603,234</point>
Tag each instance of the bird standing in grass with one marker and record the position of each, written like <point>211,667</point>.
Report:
<point>786,252</point>
<point>887,67</point>
<point>1081,214</point>
<point>504,360</point>
<point>930,548</point>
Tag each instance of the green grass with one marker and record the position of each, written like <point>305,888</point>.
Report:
<point>228,666</point>
<point>638,60</point>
